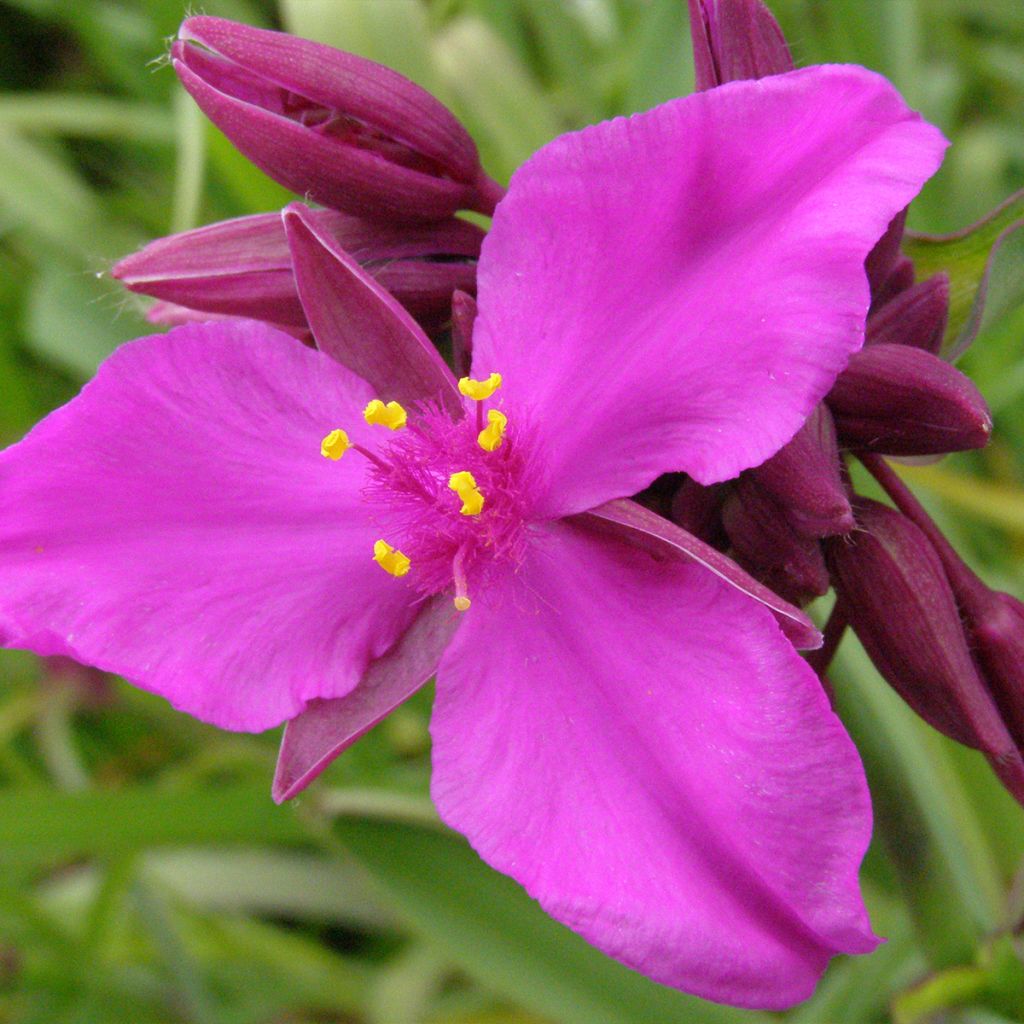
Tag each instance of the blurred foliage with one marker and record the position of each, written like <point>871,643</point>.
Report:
<point>145,876</point>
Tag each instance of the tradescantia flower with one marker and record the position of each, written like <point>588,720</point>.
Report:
<point>261,532</point>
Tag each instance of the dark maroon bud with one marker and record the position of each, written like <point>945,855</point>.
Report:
<point>735,39</point>
<point>769,548</point>
<point>243,267</point>
<point>463,319</point>
<point>916,317</point>
<point>886,254</point>
<point>994,620</point>
<point>899,279</point>
<point>335,128</point>
<point>895,593</point>
<point>900,400</point>
<point>805,478</point>
<point>698,510</point>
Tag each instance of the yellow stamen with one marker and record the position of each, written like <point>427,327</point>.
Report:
<point>464,485</point>
<point>478,390</point>
<point>334,445</point>
<point>378,414</point>
<point>390,560</point>
<point>491,436</point>
<point>462,603</point>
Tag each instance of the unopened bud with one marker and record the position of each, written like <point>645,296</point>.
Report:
<point>735,39</point>
<point>900,400</point>
<point>767,546</point>
<point>886,254</point>
<point>896,595</point>
<point>915,317</point>
<point>335,128</point>
<point>243,267</point>
<point>805,478</point>
<point>698,510</point>
<point>899,279</point>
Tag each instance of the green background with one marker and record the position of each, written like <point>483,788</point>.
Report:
<point>145,876</point>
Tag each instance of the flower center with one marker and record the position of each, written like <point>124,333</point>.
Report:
<point>449,494</point>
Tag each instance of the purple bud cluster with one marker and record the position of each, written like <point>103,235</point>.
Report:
<point>952,647</point>
<point>391,164</point>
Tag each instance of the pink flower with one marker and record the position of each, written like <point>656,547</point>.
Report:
<point>625,733</point>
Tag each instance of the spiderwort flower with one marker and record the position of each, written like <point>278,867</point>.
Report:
<point>259,533</point>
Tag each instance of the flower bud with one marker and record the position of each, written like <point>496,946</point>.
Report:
<point>915,317</point>
<point>735,39</point>
<point>335,128</point>
<point>886,254</point>
<point>995,623</point>
<point>904,401</point>
<point>899,279</point>
<point>698,510</point>
<point>243,267</point>
<point>769,548</point>
<point>895,593</point>
<point>805,478</point>
<point>168,314</point>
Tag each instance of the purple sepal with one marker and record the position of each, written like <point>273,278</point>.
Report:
<point>333,127</point>
<point>735,39</point>
<point>313,739</point>
<point>243,267</point>
<point>769,548</point>
<point>900,400</point>
<point>698,510</point>
<point>916,317</point>
<point>805,478</point>
<point>893,589</point>
<point>463,318</point>
<point>355,321</point>
<point>647,530</point>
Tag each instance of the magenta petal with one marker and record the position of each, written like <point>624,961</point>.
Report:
<point>649,532</point>
<point>177,524</point>
<point>328,727</point>
<point>689,314</point>
<point>356,322</point>
<point>641,748</point>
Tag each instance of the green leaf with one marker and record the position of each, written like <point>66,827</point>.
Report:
<point>494,93</point>
<point>40,823</point>
<point>985,264</point>
<point>74,319</point>
<point>496,933</point>
<point>80,116</point>
<point>948,874</point>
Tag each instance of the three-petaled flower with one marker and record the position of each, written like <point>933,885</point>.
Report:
<point>629,736</point>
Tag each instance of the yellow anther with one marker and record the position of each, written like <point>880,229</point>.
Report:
<point>378,414</point>
<point>390,560</point>
<point>491,436</point>
<point>334,445</point>
<point>478,390</point>
<point>462,603</point>
<point>464,485</point>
